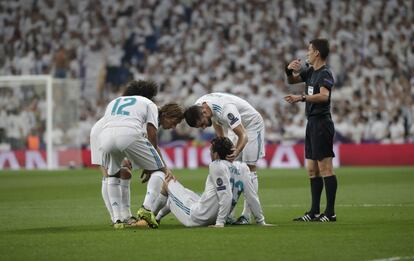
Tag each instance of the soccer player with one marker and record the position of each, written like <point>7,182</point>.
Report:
<point>241,183</point>
<point>129,130</point>
<point>319,129</point>
<point>214,205</point>
<point>227,112</point>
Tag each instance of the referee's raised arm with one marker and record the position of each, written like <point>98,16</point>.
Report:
<point>293,72</point>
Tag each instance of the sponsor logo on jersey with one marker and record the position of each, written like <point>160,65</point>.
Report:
<point>232,118</point>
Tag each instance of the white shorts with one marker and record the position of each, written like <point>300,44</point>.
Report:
<point>180,201</point>
<point>118,143</point>
<point>96,153</point>
<point>255,147</point>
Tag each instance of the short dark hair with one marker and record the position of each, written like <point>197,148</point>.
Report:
<point>147,89</point>
<point>172,111</point>
<point>192,115</point>
<point>322,45</point>
<point>223,146</point>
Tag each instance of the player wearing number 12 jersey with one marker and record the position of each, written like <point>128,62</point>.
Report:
<point>129,130</point>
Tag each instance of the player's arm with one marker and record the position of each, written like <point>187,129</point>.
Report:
<point>240,131</point>
<point>293,72</point>
<point>218,129</point>
<point>233,118</point>
<point>223,188</point>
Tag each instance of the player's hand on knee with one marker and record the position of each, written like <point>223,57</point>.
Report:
<point>169,175</point>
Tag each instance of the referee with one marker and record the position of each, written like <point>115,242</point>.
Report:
<point>319,129</point>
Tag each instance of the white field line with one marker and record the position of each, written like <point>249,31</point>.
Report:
<point>364,205</point>
<point>395,258</point>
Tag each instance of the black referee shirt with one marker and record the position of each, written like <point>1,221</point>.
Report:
<point>314,80</point>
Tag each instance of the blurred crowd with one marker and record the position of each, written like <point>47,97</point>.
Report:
<point>196,47</point>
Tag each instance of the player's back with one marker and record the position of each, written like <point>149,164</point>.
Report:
<point>239,178</point>
<point>250,117</point>
<point>131,112</point>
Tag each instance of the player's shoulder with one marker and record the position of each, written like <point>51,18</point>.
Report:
<point>218,165</point>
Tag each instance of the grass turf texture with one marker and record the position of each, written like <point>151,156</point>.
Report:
<point>61,216</point>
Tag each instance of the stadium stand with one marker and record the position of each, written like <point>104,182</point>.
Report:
<point>195,47</point>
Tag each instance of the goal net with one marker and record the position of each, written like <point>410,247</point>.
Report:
<point>40,120</point>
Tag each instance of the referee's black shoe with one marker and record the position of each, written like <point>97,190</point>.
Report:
<point>307,217</point>
<point>326,218</point>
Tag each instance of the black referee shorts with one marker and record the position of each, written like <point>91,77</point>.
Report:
<point>320,132</point>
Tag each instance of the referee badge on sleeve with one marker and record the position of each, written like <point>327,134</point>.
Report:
<point>310,90</point>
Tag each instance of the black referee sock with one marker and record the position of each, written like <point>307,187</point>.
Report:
<point>330,188</point>
<point>316,190</point>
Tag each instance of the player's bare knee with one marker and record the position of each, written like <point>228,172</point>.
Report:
<point>252,168</point>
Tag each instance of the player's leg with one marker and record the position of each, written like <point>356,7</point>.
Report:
<point>331,184</point>
<point>154,186</point>
<point>253,151</point>
<point>111,161</point>
<point>142,154</point>
<point>180,202</point>
<point>105,195</point>
<point>125,174</point>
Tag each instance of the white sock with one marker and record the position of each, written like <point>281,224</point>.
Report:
<point>115,197</point>
<point>126,199</point>
<point>105,197</point>
<point>160,202</point>
<point>246,210</point>
<point>163,212</point>
<point>154,187</point>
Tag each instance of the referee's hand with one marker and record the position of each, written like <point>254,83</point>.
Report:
<point>293,98</point>
<point>295,65</point>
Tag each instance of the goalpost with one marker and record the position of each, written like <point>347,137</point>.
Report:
<point>59,99</point>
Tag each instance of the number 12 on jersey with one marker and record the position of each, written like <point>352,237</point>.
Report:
<point>121,104</point>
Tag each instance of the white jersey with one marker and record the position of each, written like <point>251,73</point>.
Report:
<point>230,111</point>
<point>131,112</point>
<point>241,182</point>
<point>214,205</point>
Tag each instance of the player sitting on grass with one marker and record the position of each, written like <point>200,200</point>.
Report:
<point>213,206</point>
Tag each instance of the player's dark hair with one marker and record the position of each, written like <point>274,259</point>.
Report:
<point>322,45</point>
<point>172,111</point>
<point>147,89</point>
<point>223,146</point>
<point>192,115</point>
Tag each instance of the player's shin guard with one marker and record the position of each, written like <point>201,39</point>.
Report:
<point>115,196</point>
<point>246,210</point>
<point>105,197</point>
<point>153,189</point>
<point>126,199</point>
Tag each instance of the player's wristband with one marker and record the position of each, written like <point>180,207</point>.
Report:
<point>288,71</point>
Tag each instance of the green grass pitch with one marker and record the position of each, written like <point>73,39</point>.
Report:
<point>61,216</point>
